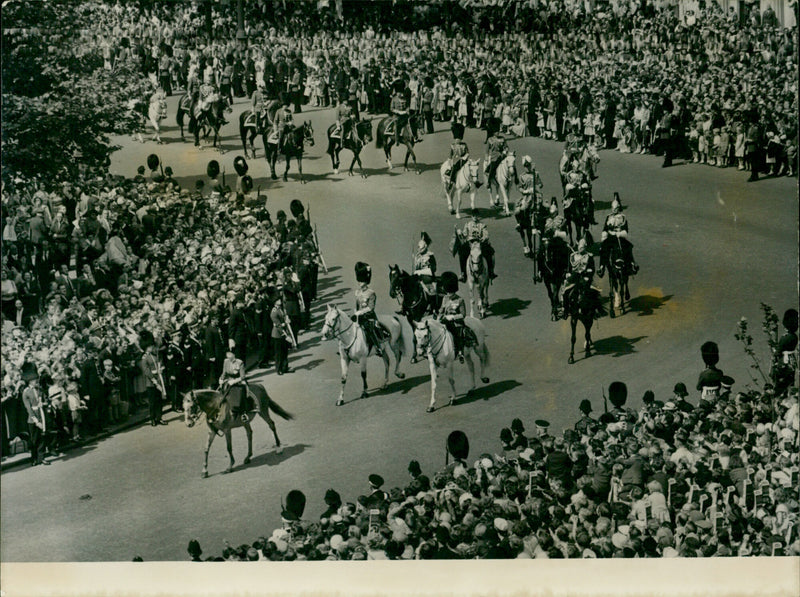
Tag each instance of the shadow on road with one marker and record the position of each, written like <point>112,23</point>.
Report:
<point>492,213</point>
<point>404,386</point>
<point>272,458</point>
<point>616,346</point>
<point>489,391</point>
<point>508,308</point>
<point>601,206</point>
<point>647,303</point>
<point>311,364</point>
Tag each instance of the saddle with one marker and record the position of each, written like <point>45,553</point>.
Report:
<point>250,121</point>
<point>274,136</point>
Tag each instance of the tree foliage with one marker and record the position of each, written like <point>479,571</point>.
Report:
<point>60,105</point>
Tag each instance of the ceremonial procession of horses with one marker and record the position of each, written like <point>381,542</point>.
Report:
<point>192,296</point>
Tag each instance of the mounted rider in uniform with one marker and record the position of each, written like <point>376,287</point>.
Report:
<point>233,384</point>
<point>260,103</point>
<point>581,274</point>
<point>476,231</point>
<point>496,149</point>
<point>530,186</point>
<point>615,229</point>
<point>459,153</point>
<point>344,120</point>
<point>425,265</point>
<point>452,314</point>
<point>364,315</point>
<point>284,119</point>
<point>399,109</point>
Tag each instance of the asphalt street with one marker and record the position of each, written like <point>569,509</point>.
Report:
<point>710,247</point>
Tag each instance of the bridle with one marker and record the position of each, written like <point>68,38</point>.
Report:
<point>337,335</point>
<point>434,350</point>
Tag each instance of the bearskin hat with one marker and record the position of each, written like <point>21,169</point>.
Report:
<point>240,165</point>
<point>617,393</point>
<point>332,498</point>
<point>363,273</point>
<point>29,371</point>
<point>152,161</point>
<point>296,207</point>
<point>247,183</point>
<point>710,353</point>
<point>458,445</point>
<point>790,320</point>
<point>449,282</point>
<point>458,130</point>
<point>426,238</point>
<point>399,85</point>
<point>295,505</point>
<point>146,339</point>
<point>212,169</point>
<point>285,100</point>
<point>353,72</point>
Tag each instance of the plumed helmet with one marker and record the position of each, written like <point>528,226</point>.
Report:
<point>617,393</point>
<point>458,445</point>
<point>710,353</point>
<point>425,238</point>
<point>585,406</point>
<point>449,282</point>
<point>295,505</point>
<point>790,320</point>
<point>240,165</point>
<point>363,273</point>
<point>212,169</point>
<point>296,207</point>
<point>517,426</point>
<point>616,203</point>
<point>247,183</point>
<point>152,161</point>
<point>458,130</point>
<point>526,159</point>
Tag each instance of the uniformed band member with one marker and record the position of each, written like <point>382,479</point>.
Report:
<point>425,264</point>
<point>615,229</point>
<point>581,271</point>
<point>364,314</point>
<point>786,354</point>
<point>233,383</point>
<point>710,380</point>
<point>281,334</point>
<point>586,424</point>
<point>452,314</point>
<point>476,231</point>
<point>496,148</point>
<point>459,152</point>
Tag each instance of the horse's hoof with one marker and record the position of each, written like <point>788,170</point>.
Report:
<point>335,171</point>
<point>247,460</point>
<point>452,212</point>
<point>458,216</point>
<point>611,313</point>
<point>453,401</point>
<point>571,360</point>
<point>400,375</point>
<point>204,475</point>
<point>226,471</point>
<point>339,402</point>
<point>273,177</point>
<point>587,354</point>
<point>485,379</point>
<point>279,450</point>
<point>364,395</point>
<point>430,409</point>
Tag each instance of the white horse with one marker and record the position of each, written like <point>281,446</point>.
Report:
<point>353,345</point>
<point>436,342</point>
<point>505,174</point>
<point>478,281</point>
<point>157,112</point>
<point>465,183</point>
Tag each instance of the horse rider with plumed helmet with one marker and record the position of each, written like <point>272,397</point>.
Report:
<point>459,152</point>
<point>452,314</point>
<point>284,119</point>
<point>476,231</point>
<point>581,271</point>
<point>615,229</point>
<point>365,309</point>
<point>425,264</point>
<point>496,148</point>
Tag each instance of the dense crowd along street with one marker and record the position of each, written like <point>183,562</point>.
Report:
<point>626,174</point>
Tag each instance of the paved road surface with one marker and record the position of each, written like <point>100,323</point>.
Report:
<point>710,247</point>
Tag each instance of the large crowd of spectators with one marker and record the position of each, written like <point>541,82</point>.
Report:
<point>677,478</point>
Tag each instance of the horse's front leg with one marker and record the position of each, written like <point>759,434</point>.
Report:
<point>398,356</point>
<point>458,203</point>
<point>211,435</point>
<point>471,284</point>
<point>300,169</point>
<point>229,444</point>
<point>471,367</point>
<point>273,162</point>
<point>506,211</point>
<point>432,368</point>
<point>344,365</point>
<point>387,151</point>
<point>451,379</point>
<point>364,378</point>
<point>334,163</point>
<point>587,339</point>
<point>385,357</point>
<point>249,430</point>
<point>573,324</point>
<point>286,172</point>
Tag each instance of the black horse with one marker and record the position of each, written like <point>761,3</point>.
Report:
<point>585,306</point>
<point>184,108</point>
<point>415,302</point>
<point>249,127</point>
<point>407,138</point>
<point>211,116</point>
<point>577,213</point>
<point>363,135</point>
<point>552,260</point>
<point>614,260</point>
<point>293,146</point>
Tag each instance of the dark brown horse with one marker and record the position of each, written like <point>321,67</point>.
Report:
<point>215,406</point>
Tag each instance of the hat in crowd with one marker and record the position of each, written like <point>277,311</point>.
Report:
<point>790,320</point>
<point>710,353</point>
<point>458,445</point>
<point>295,505</point>
<point>585,406</point>
<point>517,426</point>
<point>153,161</point>
<point>542,426</point>
<point>727,382</point>
<point>449,282</point>
<point>414,468</point>
<point>332,498</point>
<point>458,130</point>
<point>649,397</point>
<point>29,371</point>
<point>425,238</point>
<point>296,208</point>
<point>670,406</point>
<point>363,273</point>
<point>617,393</point>
<point>680,389</point>
<point>212,169</point>
<point>240,165</point>
<point>247,183</point>
<point>194,549</point>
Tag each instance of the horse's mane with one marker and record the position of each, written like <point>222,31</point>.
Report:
<point>204,396</point>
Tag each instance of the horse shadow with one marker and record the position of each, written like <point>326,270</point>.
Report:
<point>508,308</point>
<point>616,346</point>
<point>311,364</point>
<point>488,391</point>
<point>404,386</point>
<point>272,458</point>
<point>427,167</point>
<point>335,294</point>
<point>327,281</point>
<point>491,213</point>
<point>647,303</point>
<point>601,205</point>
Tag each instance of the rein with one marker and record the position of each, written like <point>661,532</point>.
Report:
<point>337,336</point>
<point>434,351</point>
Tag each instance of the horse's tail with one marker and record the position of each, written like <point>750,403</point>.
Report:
<point>379,134</point>
<point>485,353</point>
<point>278,409</point>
